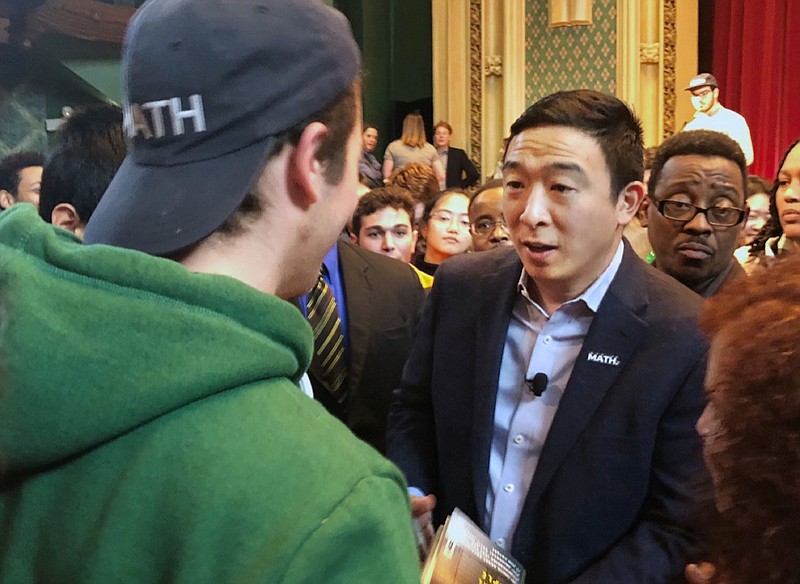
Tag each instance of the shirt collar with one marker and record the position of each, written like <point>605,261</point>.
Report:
<point>594,294</point>
<point>331,259</point>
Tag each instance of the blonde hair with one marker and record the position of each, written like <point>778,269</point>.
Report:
<point>413,131</point>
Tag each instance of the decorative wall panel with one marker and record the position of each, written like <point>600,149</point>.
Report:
<point>569,57</point>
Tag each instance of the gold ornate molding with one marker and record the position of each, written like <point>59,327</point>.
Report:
<point>650,53</point>
<point>669,59</point>
<point>570,12</point>
<point>475,77</point>
<point>493,66</point>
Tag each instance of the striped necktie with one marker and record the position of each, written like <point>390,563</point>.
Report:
<point>328,363</point>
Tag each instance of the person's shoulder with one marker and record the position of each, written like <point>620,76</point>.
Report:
<point>732,114</point>
<point>274,439</point>
<point>383,265</point>
<point>666,296</point>
<point>476,264</point>
<point>269,451</point>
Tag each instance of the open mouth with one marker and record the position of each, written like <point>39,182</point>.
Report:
<point>539,247</point>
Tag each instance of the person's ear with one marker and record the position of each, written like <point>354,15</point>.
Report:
<point>306,174</point>
<point>6,199</point>
<point>353,238</point>
<point>66,216</point>
<point>414,238</point>
<point>628,201</point>
<point>642,212</point>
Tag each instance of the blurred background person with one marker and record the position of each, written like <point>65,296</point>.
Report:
<point>412,146</point>
<point>710,114</point>
<point>20,178</point>
<point>88,150</point>
<point>420,180</point>
<point>445,228</point>
<point>781,234</point>
<point>758,203</point>
<point>487,225</point>
<point>750,429</point>
<point>460,172</point>
<point>370,172</point>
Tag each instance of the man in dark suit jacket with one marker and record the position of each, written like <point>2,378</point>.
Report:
<point>589,470</point>
<point>383,302</point>
<point>459,170</point>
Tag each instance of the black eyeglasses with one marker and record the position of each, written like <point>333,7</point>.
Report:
<point>484,227</point>
<point>685,212</point>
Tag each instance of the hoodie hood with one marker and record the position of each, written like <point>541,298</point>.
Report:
<point>96,341</point>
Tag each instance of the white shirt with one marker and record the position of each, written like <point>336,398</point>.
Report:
<point>729,123</point>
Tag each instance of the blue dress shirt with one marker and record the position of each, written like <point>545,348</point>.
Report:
<point>535,343</point>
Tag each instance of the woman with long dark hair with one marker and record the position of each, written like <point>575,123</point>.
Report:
<point>781,234</point>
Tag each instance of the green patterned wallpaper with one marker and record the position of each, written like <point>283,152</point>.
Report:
<point>570,57</point>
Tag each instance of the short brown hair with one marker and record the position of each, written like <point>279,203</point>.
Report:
<point>340,119</point>
<point>380,198</point>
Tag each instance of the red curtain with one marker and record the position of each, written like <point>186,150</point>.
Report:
<point>756,60</point>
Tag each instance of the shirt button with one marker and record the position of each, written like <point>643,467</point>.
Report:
<point>509,488</point>
<point>501,542</point>
<point>518,439</point>
<point>547,339</point>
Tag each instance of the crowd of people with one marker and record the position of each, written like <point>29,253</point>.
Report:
<point>235,346</point>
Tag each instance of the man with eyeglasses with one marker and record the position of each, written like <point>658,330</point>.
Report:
<point>487,225</point>
<point>710,114</point>
<point>697,209</point>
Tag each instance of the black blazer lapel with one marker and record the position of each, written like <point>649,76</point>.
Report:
<point>355,273</point>
<point>493,315</point>
<point>613,337</point>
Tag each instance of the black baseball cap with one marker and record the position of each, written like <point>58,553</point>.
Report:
<point>702,80</point>
<point>208,85</point>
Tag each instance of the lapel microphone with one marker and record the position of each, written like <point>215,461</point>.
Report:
<point>538,384</point>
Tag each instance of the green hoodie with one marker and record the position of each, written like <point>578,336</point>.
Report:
<point>151,430</point>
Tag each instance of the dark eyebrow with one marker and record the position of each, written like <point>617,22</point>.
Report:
<point>567,167</point>
<point>562,166</point>
<point>510,165</point>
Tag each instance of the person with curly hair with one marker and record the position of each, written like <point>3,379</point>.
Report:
<point>781,234</point>
<point>751,428</point>
<point>420,180</point>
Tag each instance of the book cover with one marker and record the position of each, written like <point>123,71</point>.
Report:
<point>462,554</point>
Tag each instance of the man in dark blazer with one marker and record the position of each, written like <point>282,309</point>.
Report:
<point>558,411</point>
<point>459,170</point>
<point>383,299</point>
